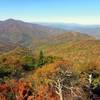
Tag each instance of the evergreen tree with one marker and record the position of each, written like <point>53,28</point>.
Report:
<point>42,60</point>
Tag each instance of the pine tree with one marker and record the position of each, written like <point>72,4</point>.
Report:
<point>42,60</point>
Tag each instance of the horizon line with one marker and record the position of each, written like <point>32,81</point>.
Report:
<point>49,22</point>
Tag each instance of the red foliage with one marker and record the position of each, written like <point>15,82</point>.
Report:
<point>23,89</point>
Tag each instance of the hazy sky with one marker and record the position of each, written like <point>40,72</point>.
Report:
<point>67,11</point>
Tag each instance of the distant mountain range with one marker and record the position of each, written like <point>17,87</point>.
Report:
<point>16,32</point>
<point>92,30</point>
<point>21,32</point>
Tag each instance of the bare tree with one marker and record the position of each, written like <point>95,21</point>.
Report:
<point>63,81</point>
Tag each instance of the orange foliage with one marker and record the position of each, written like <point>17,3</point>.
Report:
<point>23,89</point>
<point>49,69</point>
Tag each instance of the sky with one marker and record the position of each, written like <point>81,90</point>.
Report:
<point>57,11</point>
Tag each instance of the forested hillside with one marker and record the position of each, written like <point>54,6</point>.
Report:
<point>41,63</point>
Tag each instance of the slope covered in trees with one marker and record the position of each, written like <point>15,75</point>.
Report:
<point>81,52</point>
<point>24,75</point>
<point>54,66</point>
<point>33,35</point>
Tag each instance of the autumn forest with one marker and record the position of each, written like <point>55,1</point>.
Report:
<point>40,65</point>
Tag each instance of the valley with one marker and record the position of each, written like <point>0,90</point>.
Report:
<point>38,62</point>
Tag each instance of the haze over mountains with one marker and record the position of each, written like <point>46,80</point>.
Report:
<point>23,46</point>
<point>18,31</point>
<point>92,30</point>
<point>26,34</point>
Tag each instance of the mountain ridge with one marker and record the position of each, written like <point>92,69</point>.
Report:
<point>92,30</point>
<point>33,35</point>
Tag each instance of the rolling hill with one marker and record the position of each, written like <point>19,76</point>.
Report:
<point>16,32</point>
<point>28,70</point>
<point>81,53</point>
<point>92,30</point>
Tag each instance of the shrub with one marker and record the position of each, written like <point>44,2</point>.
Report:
<point>4,71</point>
<point>10,96</point>
<point>28,63</point>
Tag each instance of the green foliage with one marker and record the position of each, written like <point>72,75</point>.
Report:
<point>4,71</point>
<point>42,59</point>
<point>17,73</point>
<point>10,96</point>
<point>1,80</point>
<point>28,63</point>
<point>96,82</point>
<point>96,79</point>
<point>49,59</point>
